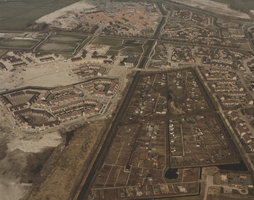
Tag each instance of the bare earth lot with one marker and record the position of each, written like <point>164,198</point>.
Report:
<point>215,7</point>
<point>52,16</point>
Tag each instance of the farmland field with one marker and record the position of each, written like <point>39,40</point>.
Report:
<point>16,15</point>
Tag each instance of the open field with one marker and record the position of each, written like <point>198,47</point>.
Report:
<point>12,43</point>
<point>108,41</point>
<point>16,15</point>
<point>133,46</point>
<point>61,43</point>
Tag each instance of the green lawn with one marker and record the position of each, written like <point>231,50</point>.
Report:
<point>61,43</point>
<point>65,38</point>
<point>12,43</point>
<point>133,49</point>
<point>108,41</point>
<point>111,52</point>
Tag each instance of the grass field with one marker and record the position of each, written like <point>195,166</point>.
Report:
<point>108,41</point>
<point>11,43</point>
<point>61,43</point>
<point>16,15</point>
<point>117,45</point>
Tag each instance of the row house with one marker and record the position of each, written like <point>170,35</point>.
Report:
<point>90,101</point>
<point>84,53</point>
<point>76,70</point>
<point>32,100</point>
<point>76,59</point>
<point>226,82</point>
<point>214,78</point>
<point>41,54</point>
<point>88,90</point>
<point>2,67</point>
<point>22,120</point>
<point>108,62</point>
<point>234,116</point>
<point>241,131</point>
<point>90,112</point>
<point>87,75</point>
<point>46,95</point>
<point>8,58</point>
<point>5,101</point>
<point>220,96</point>
<point>22,112</point>
<point>45,125</point>
<point>77,90</point>
<point>63,99</point>
<point>22,64</point>
<point>204,71</point>
<point>105,81</point>
<point>222,89</point>
<point>251,145</point>
<point>101,71</point>
<point>66,106</point>
<point>239,86</point>
<point>215,64</point>
<point>17,94</point>
<point>113,88</point>
<point>98,106</point>
<point>32,92</point>
<point>94,67</point>
<point>220,71</point>
<point>236,94</point>
<point>38,112</point>
<point>246,138</point>
<point>16,60</point>
<point>18,107</point>
<point>231,102</point>
<point>99,57</point>
<point>70,115</point>
<point>49,116</point>
<point>61,89</point>
<point>249,99</point>
<point>99,94</point>
<point>87,84</point>
<point>41,103</point>
<point>29,60</point>
<point>84,68</point>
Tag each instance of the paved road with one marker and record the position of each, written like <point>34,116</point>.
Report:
<point>209,183</point>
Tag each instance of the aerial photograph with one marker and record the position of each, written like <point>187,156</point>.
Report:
<point>126,99</point>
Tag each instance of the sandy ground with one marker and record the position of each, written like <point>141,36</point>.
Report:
<point>48,74</point>
<point>15,148</point>
<point>35,145</point>
<point>215,7</point>
<point>79,6</point>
